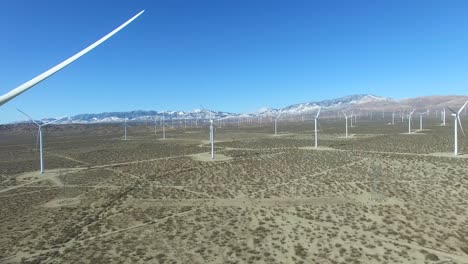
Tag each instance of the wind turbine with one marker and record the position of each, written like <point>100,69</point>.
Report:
<point>211,131</point>
<point>346,120</point>
<point>443,117</point>
<point>41,150</point>
<point>212,138</point>
<point>409,120</point>
<point>155,125</point>
<point>125,126</point>
<point>276,119</point>
<point>164,126</point>
<point>456,116</point>
<point>420,119</point>
<point>393,117</point>
<point>315,121</point>
<point>29,84</point>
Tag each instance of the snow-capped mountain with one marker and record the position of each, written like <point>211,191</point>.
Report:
<point>332,104</point>
<point>144,116</point>
<point>352,102</point>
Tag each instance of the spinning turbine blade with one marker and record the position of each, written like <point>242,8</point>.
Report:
<point>29,84</point>
<point>37,140</point>
<point>318,113</point>
<point>464,105</point>
<point>30,118</point>
<point>56,120</point>
<point>451,110</point>
<point>461,127</point>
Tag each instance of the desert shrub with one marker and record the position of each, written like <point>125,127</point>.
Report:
<point>431,257</point>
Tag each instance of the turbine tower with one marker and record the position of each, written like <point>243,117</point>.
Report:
<point>315,121</point>
<point>41,150</point>
<point>443,117</point>
<point>155,125</point>
<point>276,119</point>
<point>346,120</point>
<point>409,120</point>
<point>420,119</point>
<point>164,126</point>
<point>29,84</point>
<point>211,130</point>
<point>212,138</point>
<point>456,116</point>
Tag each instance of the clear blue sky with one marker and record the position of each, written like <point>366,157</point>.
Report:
<point>228,55</point>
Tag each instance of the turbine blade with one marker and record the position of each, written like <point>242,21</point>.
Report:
<point>30,118</point>
<point>37,139</point>
<point>56,120</point>
<point>29,84</point>
<point>318,113</point>
<point>459,111</point>
<point>461,127</point>
<point>451,110</point>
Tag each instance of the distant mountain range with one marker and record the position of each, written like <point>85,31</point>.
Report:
<point>359,102</point>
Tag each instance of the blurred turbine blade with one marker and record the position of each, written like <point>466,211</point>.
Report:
<point>451,110</point>
<point>461,127</point>
<point>56,120</point>
<point>464,105</point>
<point>37,138</point>
<point>318,113</point>
<point>30,118</point>
<point>29,84</point>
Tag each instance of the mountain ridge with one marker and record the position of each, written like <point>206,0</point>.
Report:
<point>361,102</point>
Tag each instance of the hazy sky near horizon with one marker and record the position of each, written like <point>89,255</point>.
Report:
<point>236,56</point>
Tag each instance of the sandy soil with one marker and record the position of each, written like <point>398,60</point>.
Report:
<point>381,197</point>
<point>206,156</point>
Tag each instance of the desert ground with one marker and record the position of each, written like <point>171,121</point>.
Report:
<point>379,196</point>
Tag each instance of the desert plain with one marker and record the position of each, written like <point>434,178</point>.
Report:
<point>379,196</point>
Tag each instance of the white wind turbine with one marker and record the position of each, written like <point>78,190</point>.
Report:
<point>212,138</point>
<point>29,84</point>
<point>409,120</point>
<point>315,121</point>
<point>211,131</point>
<point>421,119</point>
<point>346,120</point>
<point>276,120</point>
<point>443,117</point>
<point>456,116</point>
<point>155,125</point>
<point>125,128</point>
<point>41,150</point>
<point>164,125</point>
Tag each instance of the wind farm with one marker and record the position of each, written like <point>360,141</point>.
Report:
<point>309,151</point>
<point>252,185</point>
